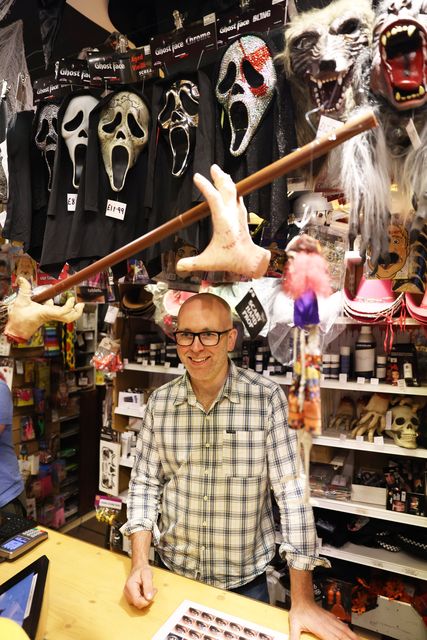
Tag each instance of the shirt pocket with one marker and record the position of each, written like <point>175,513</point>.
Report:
<point>243,453</point>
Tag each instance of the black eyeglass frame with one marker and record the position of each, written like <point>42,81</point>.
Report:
<point>199,334</point>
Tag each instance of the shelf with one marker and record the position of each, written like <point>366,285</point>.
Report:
<point>134,411</point>
<point>127,462</point>
<point>74,416</point>
<point>334,439</point>
<point>410,322</point>
<point>357,386</point>
<point>401,562</point>
<point>69,433</point>
<point>368,510</point>
<point>158,368</point>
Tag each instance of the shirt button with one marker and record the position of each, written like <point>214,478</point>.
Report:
<point>202,548</point>
<point>206,472</point>
<point>207,445</point>
<point>205,498</point>
<point>204,524</point>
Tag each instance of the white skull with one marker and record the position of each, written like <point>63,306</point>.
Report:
<point>74,130</point>
<point>179,118</point>
<point>46,138</point>
<point>404,426</point>
<point>123,133</point>
<point>245,87</point>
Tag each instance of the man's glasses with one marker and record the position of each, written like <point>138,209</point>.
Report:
<point>207,338</point>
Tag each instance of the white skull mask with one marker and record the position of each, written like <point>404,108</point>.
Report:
<point>404,427</point>
<point>74,130</point>
<point>123,133</point>
<point>46,138</point>
<point>179,119</point>
<point>245,87</point>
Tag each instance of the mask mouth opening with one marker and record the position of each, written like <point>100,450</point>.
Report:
<point>179,140</point>
<point>79,160</point>
<point>239,123</point>
<point>403,49</point>
<point>120,165</point>
<point>328,90</point>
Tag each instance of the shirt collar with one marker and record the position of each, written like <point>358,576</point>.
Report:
<point>185,393</point>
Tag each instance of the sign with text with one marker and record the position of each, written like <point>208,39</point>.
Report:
<point>263,16</point>
<point>251,313</point>
<point>48,88</point>
<point>169,48</point>
<point>72,71</point>
<point>120,68</point>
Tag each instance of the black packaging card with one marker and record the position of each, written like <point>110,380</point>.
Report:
<point>251,313</point>
<point>169,48</point>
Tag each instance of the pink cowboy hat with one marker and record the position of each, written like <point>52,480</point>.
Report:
<point>417,312</point>
<point>374,297</point>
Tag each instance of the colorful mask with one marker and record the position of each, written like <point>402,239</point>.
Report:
<point>123,133</point>
<point>74,130</point>
<point>46,138</point>
<point>179,119</point>
<point>245,88</point>
<point>400,58</point>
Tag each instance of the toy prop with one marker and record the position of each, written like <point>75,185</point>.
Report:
<point>18,327</point>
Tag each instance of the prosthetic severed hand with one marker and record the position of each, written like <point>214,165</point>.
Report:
<point>372,418</point>
<point>231,247</point>
<point>26,316</point>
<point>345,415</point>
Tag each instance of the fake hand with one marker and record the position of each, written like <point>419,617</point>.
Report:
<point>231,247</point>
<point>139,591</point>
<point>322,624</point>
<point>26,316</point>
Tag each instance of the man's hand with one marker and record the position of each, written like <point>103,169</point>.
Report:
<point>139,590</point>
<point>309,617</point>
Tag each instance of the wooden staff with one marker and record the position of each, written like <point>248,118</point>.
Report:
<point>298,158</point>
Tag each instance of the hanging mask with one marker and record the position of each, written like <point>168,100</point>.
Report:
<point>74,130</point>
<point>178,118</point>
<point>47,136</point>
<point>400,53</point>
<point>123,133</point>
<point>245,87</point>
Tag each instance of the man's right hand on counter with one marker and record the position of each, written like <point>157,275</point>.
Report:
<point>139,590</point>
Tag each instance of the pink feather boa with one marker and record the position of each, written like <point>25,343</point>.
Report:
<point>306,272</point>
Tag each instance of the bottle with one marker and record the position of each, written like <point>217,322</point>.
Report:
<point>334,366</point>
<point>345,360</point>
<point>381,368</point>
<point>364,365</point>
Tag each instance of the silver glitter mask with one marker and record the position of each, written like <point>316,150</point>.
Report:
<point>179,119</point>
<point>245,87</point>
<point>123,133</point>
<point>46,138</point>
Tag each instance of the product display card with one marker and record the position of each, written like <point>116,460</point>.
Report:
<point>192,620</point>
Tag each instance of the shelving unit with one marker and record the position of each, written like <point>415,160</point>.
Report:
<point>369,510</point>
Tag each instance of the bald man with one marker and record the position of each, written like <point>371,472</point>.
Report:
<point>212,443</point>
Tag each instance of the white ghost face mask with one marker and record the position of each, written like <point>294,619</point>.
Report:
<point>46,138</point>
<point>179,119</point>
<point>74,130</point>
<point>123,133</point>
<point>245,87</point>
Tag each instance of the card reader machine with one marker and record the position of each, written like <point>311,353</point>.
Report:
<point>21,543</point>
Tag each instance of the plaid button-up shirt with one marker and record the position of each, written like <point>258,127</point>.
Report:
<point>208,474</point>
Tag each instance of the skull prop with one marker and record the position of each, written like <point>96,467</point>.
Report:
<point>123,133</point>
<point>179,119</point>
<point>404,427</point>
<point>46,137</point>
<point>245,87</point>
<point>400,53</point>
<point>74,130</point>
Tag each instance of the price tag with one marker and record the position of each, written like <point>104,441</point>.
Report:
<point>378,440</point>
<point>144,362</point>
<point>375,381</point>
<point>343,436</point>
<point>401,383</point>
<point>80,340</point>
<point>360,380</point>
<point>167,365</point>
<point>266,373</point>
<point>413,134</point>
<point>327,125</point>
<point>4,346</point>
<point>359,438</point>
<point>19,365</point>
<point>116,209</point>
<point>111,315</point>
<point>288,378</point>
<point>71,201</point>
<point>343,377</point>
<point>181,367</point>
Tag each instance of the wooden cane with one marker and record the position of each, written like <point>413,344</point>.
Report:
<point>298,158</point>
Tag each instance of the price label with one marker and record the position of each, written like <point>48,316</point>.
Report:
<point>266,372</point>
<point>4,346</point>
<point>360,380</point>
<point>343,436</point>
<point>19,366</point>
<point>115,209</point>
<point>378,440</point>
<point>111,315</point>
<point>401,383</point>
<point>327,125</point>
<point>71,201</point>
<point>343,377</point>
<point>375,381</point>
<point>167,365</point>
<point>359,438</point>
<point>181,367</point>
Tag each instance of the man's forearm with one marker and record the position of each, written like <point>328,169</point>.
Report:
<point>140,543</point>
<point>301,586</point>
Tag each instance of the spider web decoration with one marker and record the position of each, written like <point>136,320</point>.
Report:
<point>5,5</point>
<point>13,68</point>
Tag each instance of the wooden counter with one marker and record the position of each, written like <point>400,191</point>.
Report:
<point>85,598</point>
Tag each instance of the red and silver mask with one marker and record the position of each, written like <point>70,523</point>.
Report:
<point>46,138</point>
<point>74,130</point>
<point>400,53</point>
<point>179,119</point>
<point>123,133</point>
<point>245,87</point>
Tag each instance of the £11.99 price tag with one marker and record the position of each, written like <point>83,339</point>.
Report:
<point>71,201</point>
<point>116,209</point>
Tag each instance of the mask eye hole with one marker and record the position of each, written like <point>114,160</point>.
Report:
<point>190,105</point>
<point>135,129</point>
<point>73,124</point>
<point>109,127</point>
<point>166,112</point>
<point>42,134</point>
<point>252,76</point>
<point>228,80</point>
<point>306,41</point>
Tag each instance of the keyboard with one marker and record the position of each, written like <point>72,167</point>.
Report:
<point>11,524</point>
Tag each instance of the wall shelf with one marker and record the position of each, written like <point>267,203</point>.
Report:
<point>368,510</point>
<point>334,439</point>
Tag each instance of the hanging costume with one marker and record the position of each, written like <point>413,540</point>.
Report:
<point>257,121</point>
<point>115,171</point>
<point>73,124</point>
<point>186,141</point>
